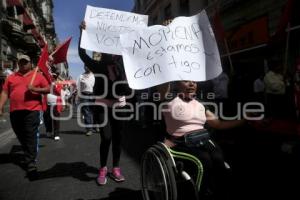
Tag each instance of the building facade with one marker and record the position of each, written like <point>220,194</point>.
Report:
<point>25,27</point>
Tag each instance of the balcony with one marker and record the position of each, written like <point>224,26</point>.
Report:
<point>29,39</point>
<point>6,27</point>
<point>16,28</point>
<point>50,28</point>
<point>30,44</point>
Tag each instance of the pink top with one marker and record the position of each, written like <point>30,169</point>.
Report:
<point>182,117</point>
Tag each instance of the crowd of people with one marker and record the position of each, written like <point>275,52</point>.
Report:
<point>276,88</point>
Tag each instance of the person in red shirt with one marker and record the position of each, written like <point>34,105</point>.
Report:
<point>24,89</point>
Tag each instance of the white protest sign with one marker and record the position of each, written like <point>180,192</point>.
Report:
<point>184,50</point>
<point>104,26</point>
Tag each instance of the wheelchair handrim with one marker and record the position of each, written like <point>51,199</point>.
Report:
<point>150,186</point>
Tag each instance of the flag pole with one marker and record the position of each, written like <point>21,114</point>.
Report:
<point>34,75</point>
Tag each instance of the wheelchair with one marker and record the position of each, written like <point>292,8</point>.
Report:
<point>164,175</point>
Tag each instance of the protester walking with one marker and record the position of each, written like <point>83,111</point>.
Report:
<point>86,84</point>
<point>110,67</point>
<point>24,89</point>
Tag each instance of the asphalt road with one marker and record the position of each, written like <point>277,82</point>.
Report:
<point>68,168</point>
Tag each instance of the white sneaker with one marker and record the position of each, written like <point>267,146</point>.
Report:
<point>89,133</point>
<point>56,138</point>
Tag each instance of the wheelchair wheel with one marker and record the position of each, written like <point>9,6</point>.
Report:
<point>158,175</point>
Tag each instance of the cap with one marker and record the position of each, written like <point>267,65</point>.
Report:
<point>24,57</point>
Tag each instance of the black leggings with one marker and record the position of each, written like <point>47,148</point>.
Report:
<point>111,134</point>
<point>215,173</point>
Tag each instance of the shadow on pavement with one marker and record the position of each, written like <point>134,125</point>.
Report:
<point>121,194</point>
<point>78,170</point>
<point>72,132</point>
<point>124,193</point>
<point>15,156</point>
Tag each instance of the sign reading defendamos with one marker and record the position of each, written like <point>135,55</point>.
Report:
<point>104,26</point>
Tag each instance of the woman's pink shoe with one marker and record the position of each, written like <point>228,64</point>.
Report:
<point>102,179</point>
<point>116,174</point>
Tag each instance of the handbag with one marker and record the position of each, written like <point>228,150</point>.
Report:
<point>196,138</point>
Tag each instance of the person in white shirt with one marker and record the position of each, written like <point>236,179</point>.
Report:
<point>86,84</point>
<point>7,72</point>
<point>275,91</point>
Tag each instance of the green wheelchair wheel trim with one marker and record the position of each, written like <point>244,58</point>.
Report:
<point>186,156</point>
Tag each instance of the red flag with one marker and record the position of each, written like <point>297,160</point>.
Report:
<point>42,64</point>
<point>218,26</point>
<point>285,18</point>
<point>60,53</point>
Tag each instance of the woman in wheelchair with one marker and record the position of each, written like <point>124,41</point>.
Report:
<point>187,139</point>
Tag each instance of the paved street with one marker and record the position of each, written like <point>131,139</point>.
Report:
<point>68,168</point>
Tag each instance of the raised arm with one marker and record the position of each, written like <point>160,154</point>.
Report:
<point>40,90</point>
<point>216,123</point>
<point>92,64</point>
<point>88,61</point>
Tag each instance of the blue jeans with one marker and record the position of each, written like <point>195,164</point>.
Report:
<point>87,113</point>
